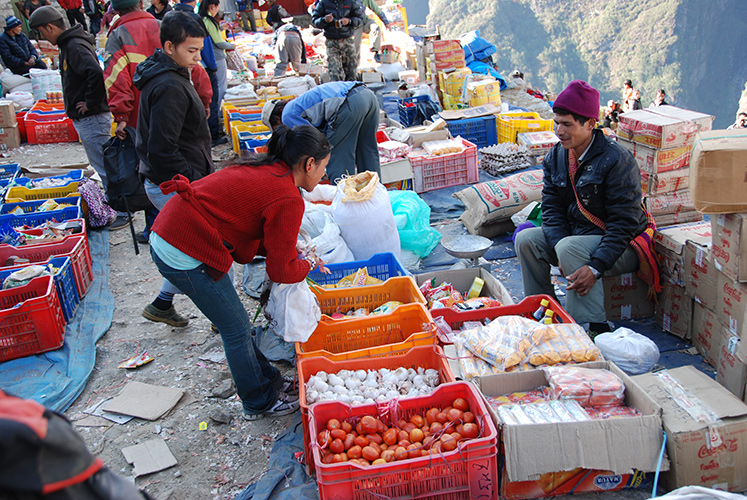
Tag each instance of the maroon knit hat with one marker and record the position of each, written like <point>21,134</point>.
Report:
<point>579,97</point>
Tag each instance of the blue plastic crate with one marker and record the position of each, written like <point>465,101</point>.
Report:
<point>64,283</point>
<point>480,131</point>
<point>9,171</point>
<point>408,116</point>
<point>382,266</point>
<point>72,176</point>
<point>242,117</point>
<point>249,141</point>
<point>32,219</point>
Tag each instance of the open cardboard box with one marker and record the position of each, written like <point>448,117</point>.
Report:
<point>620,445</point>
<point>461,280</point>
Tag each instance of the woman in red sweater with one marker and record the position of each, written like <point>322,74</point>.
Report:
<point>231,216</point>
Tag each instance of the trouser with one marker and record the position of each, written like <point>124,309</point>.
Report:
<point>257,381</point>
<point>214,118</point>
<point>222,74</point>
<point>248,14</point>
<point>573,252</point>
<point>342,63</point>
<point>76,15</point>
<point>290,47</point>
<point>94,131</point>
<point>352,135</point>
<point>374,37</point>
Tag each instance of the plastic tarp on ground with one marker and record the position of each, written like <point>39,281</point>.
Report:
<point>54,379</point>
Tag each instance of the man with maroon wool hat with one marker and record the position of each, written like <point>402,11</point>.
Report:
<point>591,210</point>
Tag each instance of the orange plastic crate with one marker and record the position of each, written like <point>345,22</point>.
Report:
<point>470,471</point>
<point>402,289</point>
<point>355,337</point>
<point>429,356</point>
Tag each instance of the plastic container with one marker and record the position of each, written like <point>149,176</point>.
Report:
<point>8,172</point>
<point>401,288</point>
<point>75,247</point>
<point>64,283</point>
<point>31,319</point>
<point>427,356</point>
<point>23,193</point>
<point>248,141</point>
<point>32,218</point>
<point>239,128</point>
<point>382,266</point>
<point>408,115</point>
<point>509,125</point>
<point>470,471</point>
<point>436,172</point>
<point>353,338</point>
<point>49,131</point>
<point>480,131</point>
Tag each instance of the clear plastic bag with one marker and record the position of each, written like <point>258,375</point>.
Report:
<point>631,351</point>
<point>449,146</point>
<point>588,386</point>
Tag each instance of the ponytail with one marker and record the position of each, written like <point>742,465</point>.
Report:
<point>292,147</point>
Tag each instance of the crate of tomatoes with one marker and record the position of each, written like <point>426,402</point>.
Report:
<point>443,443</point>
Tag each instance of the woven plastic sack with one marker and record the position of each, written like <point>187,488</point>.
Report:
<point>45,80</point>
<point>632,352</point>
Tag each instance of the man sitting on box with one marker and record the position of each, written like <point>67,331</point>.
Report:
<point>591,210</point>
<point>17,53</point>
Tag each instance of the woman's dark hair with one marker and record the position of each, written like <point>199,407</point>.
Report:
<point>177,26</point>
<point>203,10</point>
<point>276,117</point>
<point>293,147</point>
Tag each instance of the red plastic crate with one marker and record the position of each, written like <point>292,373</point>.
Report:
<point>31,319</point>
<point>436,172</point>
<point>470,471</point>
<point>76,247</point>
<point>52,131</point>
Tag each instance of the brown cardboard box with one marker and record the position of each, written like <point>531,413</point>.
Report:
<point>665,127</point>
<point>694,461</point>
<point>618,445</point>
<point>730,245</point>
<point>670,203</point>
<point>626,297</point>
<point>674,311</point>
<point>731,303</point>
<point>395,171</point>
<point>677,218</point>
<point>719,172</point>
<point>7,114</point>
<point>731,372</point>
<point>706,333</point>
<point>653,160</point>
<point>670,243</point>
<point>700,274</point>
<point>665,182</point>
<point>461,280</point>
<point>10,137</point>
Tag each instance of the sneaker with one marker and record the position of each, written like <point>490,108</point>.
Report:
<point>285,405</point>
<point>289,386</point>
<point>214,328</point>
<point>169,316</point>
<point>119,223</point>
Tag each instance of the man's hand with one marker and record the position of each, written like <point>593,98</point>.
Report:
<point>207,111</point>
<point>81,107</point>
<point>581,281</point>
<point>329,18</point>
<point>120,132</point>
<point>345,21</point>
<point>31,61</point>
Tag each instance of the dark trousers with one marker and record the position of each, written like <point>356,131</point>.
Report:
<point>74,15</point>
<point>214,119</point>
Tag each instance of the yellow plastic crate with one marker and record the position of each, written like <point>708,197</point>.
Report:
<point>21,193</point>
<point>511,124</point>
<point>253,128</point>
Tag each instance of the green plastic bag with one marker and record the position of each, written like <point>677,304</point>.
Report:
<point>412,217</point>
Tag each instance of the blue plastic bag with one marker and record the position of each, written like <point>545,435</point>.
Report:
<point>475,47</point>
<point>412,217</point>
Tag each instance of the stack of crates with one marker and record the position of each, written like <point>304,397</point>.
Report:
<point>48,123</point>
<point>33,316</point>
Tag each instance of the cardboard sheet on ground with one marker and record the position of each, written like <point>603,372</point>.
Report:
<point>148,457</point>
<point>146,401</point>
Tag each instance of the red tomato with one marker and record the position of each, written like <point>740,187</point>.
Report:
<point>416,435</point>
<point>417,420</point>
<point>369,425</point>
<point>323,438</point>
<point>470,431</point>
<point>390,436</point>
<point>361,441</point>
<point>355,452</point>
<point>430,415</point>
<point>460,404</point>
<point>347,427</point>
<point>349,441</point>
<point>370,453</point>
<point>333,424</point>
<point>336,446</point>
<point>338,434</point>
<point>468,417</point>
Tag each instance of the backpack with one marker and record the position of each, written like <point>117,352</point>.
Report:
<point>124,191</point>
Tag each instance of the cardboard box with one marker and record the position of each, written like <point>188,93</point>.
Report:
<point>731,303</point>
<point>620,445</point>
<point>731,371</point>
<point>474,112</point>
<point>395,171</point>
<point>7,114</point>
<point>665,220</point>
<point>670,203</point>
<point>10,137</point>
<point>461,279</point>
<point>626,297</point>
<point>410,77</point>
<point>674,310</point>
<point>730,245</point>
<point>665,182</point>
<point>706,333</point>
<point>670,243</point>
<point>719,172</point>
<point>665,127</point>
<point>653,160</point>
<point>694,460</point>
<point>371,76</point>
<point>700,274</point>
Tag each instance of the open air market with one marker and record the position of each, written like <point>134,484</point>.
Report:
<point>306,249</point>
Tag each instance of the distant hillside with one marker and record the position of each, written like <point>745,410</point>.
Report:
<point>695,49</point>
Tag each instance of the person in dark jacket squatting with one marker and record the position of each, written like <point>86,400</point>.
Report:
<point>16,50</point>
<point>591,210</point>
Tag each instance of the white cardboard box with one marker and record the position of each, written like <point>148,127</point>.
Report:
<point>730,245</point>
<point>461,280</point>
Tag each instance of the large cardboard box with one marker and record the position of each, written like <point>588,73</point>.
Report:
<point>675,202</point>
<point>731,303</point>
<point>719,172</point>
<point>653,160</point>
<point>665,220</point>
<point>7,114</point>
<point>461,279</point>
<point>670,243</point>
<point>675,310</point>
<point>730,245</point>
<point>10,137</point>
<point>665,182</point>
<point>700,274</point>
<point>396,171</point>
<point>665,127</point>
<point>706,334</point>
<point>731,371</point>
<point>697,457</point>
<point>626,297</point>
<point>619,445</point>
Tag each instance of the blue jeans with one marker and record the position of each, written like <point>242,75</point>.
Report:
<point>257,381</point>
<point>94,131</point>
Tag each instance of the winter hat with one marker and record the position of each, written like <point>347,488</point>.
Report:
<point>580,98</point>
<point>11,22</point>
<point>44,15</point>
<point>123,4</point>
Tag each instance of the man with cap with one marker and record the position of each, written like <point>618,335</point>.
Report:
<point>82,83</point>
<point>16,50</point>
<point>591,210</point>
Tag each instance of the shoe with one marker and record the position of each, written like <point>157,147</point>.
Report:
<point>219,141</point>
<point>289,386</point>
<point>120,222</point>
<point>285,405</point>
<point>169,316</point>
<point>142,239</point>
<point>214,328</point>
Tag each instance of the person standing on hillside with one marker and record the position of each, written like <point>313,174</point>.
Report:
<point>627,94</point>
<point>635,100</point>
<point>591,210</point>
<point>660,99</point>
<point>339,19</point>
<point>372,28</point>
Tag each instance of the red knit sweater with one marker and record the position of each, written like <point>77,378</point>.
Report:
<point>248,206</point>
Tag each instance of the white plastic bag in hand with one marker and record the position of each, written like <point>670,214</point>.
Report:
<point>293,311</point>
<point>631,351</point>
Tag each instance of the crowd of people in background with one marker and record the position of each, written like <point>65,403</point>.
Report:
<point>631,101</point>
